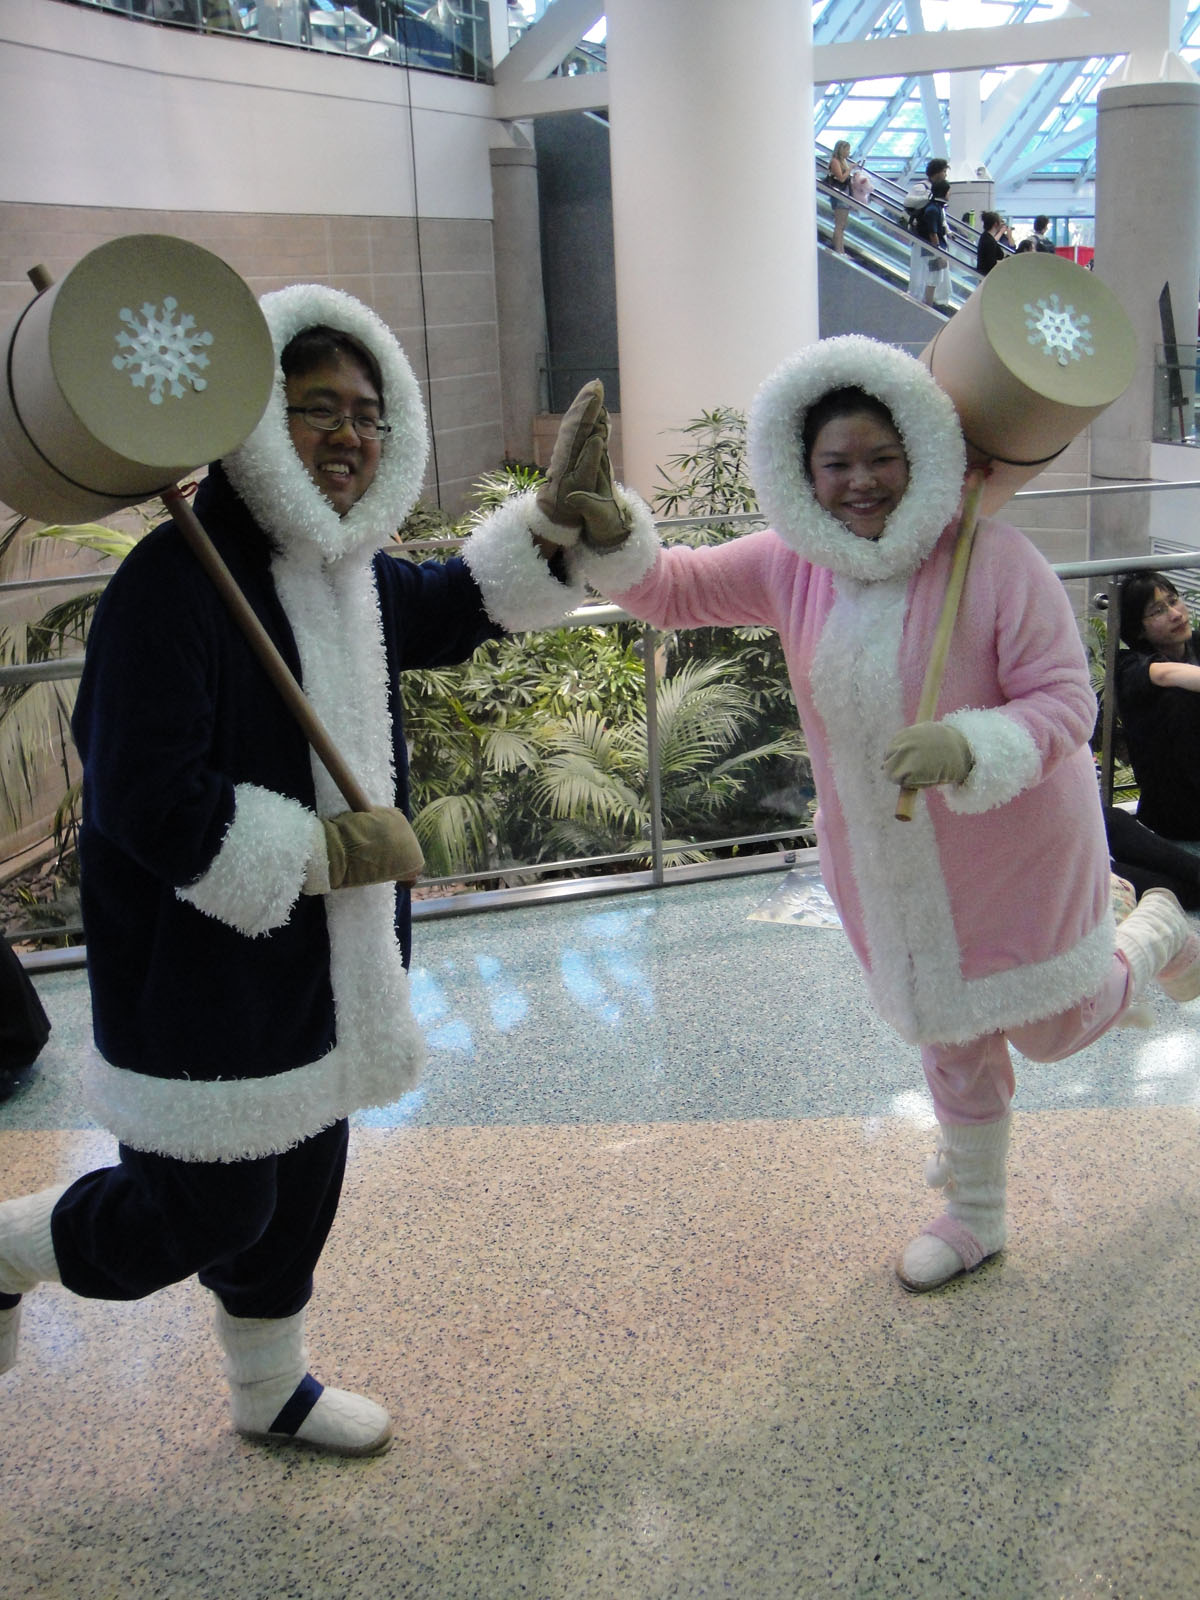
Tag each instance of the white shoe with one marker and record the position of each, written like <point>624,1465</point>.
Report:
<point>26,1245</point>
<point>971,1165</point>
<point>276,1399</point>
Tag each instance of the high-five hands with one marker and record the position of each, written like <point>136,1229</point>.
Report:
<point>577,495</point>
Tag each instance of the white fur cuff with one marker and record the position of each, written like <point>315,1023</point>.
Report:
<point>614,571</point>
<point>519,590</point>
<point>259,871</point>
<point>1006,761</point>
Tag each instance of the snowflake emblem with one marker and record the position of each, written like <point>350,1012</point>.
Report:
<point>1060,331</point>
<point>159,351</point>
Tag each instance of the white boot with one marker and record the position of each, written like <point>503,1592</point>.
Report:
<point>970,1165</point>
<point>26,1258</point>
<point>1161,945</point>
<point>276,1398</point>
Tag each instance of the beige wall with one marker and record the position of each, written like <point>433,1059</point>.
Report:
<point>432,282</point>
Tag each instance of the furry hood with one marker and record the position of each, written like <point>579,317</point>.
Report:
<point>926,421</point>
<point>269,475</point>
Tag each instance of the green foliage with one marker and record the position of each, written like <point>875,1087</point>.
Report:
<point>711,477</point>
<point>536,750</point>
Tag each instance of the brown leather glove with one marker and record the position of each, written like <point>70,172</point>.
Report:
<point>578,493</point>
<point>927,754</point>
<point>375,846</point>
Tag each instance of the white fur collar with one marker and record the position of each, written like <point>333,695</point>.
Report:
<point>269,475</point>
<point>926,421</point>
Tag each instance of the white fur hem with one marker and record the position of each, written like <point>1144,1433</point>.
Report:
<point>1011,999</point>
<point>1006,761</point>
<point>615,571</point>
<point>256,876</point>
<point>240,1119</point>
<point>519,590</point>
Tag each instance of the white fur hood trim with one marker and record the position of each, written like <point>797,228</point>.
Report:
<point>269,475</point>
<point>927,424</point>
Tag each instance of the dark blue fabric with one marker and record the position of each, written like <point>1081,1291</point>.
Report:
<point>252,1230</point>
<point>304,1397</point>
<point>173,711</point>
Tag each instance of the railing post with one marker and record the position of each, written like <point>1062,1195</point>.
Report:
<point>653,753</point>
<point>1108,718</point>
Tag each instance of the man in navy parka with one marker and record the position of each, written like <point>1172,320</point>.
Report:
<point>247,937</point>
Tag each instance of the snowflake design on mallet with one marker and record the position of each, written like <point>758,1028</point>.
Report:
<point>1059,330</point>
<point>161,352</point>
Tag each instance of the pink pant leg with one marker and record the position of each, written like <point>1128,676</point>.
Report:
<point>1056,1037</point>
<point>971,1082</point>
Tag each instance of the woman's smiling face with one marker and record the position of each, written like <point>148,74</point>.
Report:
<point>859,471</point>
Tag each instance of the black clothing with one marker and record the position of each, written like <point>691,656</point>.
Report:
<point>988,253</point>
<point>1162,731</point>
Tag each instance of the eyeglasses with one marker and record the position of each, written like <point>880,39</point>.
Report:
<point>1159,609</point>
<point>326,421</point>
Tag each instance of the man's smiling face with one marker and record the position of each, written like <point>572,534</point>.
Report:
<point>342,465</point>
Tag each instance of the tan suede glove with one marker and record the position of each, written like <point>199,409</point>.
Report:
<point>375,846</point>
<point>927,753</point>
<point>577,495</point>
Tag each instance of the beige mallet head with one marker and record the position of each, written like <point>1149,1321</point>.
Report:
<point>1039,349</point>
<point>149,358</point>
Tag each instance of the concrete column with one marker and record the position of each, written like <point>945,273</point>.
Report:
<point>714,208</point>
<point>520,304</point>
<point>1147,234</point>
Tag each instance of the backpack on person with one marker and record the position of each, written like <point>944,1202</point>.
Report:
<point>920,193</point>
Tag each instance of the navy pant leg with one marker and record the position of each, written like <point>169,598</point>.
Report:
<point>252,1230</point>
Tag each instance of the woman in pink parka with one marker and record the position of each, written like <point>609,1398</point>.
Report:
<point>986,919</point>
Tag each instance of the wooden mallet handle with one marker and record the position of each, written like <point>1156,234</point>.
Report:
<point>277,669</point>
<point>935,671</point>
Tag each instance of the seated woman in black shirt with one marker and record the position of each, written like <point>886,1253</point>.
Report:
<point>1158,699</point>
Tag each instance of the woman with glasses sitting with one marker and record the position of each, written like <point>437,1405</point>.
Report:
<point>1158,700</point>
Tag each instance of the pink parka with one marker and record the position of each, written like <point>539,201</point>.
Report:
<point>991,908</point>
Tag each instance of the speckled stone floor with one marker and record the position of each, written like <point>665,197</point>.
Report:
<point>621,1269</point>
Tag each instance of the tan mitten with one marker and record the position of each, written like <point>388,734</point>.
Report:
<point>375,846</point>
<point>927,754</point>
<point>585,418</point>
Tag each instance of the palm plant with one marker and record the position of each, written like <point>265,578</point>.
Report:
<point>34,715</point>
<point>593,778</point>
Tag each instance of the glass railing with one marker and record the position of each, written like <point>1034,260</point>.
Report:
<point>604,754</point>
<point>1175,394</point>
<point>434,37</point>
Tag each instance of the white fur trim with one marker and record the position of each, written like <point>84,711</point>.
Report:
<point>1006,759</point>
<point>519,590</point>
<point>269,475</point>
<point>925,419</point>
<point>615,571</point>
<point>237,1119</point>
<point>257,874</point>
<point>334,613</point>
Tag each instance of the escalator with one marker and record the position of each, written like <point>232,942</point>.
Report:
<point>866,290</point>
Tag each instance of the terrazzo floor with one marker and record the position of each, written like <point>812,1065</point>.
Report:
<point>622,1271</point>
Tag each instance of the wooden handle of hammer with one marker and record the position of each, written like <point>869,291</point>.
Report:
<point>280,674</point>
<point>936,670</point>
